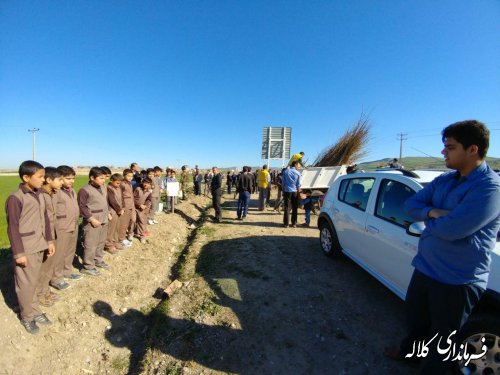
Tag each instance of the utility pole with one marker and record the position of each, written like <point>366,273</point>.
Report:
<point>401,138</point>
<point>33,131</point>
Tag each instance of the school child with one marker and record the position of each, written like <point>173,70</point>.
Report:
<point>170,199</point>
<point>67,215</point>
<point>50,190</point>
<point>308,202</point>
<point>127,220</point>
<point>31,241</point>
<point>155,194</point>
<point>142,202</point>
<point>107,171</point>
<point>116,210</point>
<point>93,203</point>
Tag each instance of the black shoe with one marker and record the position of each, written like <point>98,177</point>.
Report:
<point>73,276</point>
<point>61,285</point>
<point>102,265</point>
<point>30,327</point>
<point>91,272</point>
<point>42,319</point>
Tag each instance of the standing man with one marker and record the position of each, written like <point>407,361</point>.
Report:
<point>461,210</point>
<point>216,190</point>
<point>136,180</point>
<point>184,181</point>
<point>263,184</point>
<point>291,190</point>
<point>244,189</point>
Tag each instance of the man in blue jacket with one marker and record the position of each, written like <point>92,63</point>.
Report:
<point>461,210</point>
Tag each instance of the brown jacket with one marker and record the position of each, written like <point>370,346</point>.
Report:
<point>127,195</point>
<point>142,197</point>
<point>115,199</point>
<point>67,211</point>
<point>28,222</point>
<point>50,205</point>
<point>93,203</point>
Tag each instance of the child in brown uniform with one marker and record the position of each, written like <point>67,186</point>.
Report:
<point>30,240</point>
<point>67,215</point>
<point>127,221</point>
<point>142,201</point>
<point>93,203</point>
<point>52,184</point>
<point>116,211</point>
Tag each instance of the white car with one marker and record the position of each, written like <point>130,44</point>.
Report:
<point>363,218</point>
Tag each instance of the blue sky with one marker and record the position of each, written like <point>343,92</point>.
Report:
<point>194,82</point>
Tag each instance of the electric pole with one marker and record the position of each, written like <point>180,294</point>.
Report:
<point>401,138</point>
<point>33,131</point>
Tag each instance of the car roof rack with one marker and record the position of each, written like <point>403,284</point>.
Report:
<point>404,172</point>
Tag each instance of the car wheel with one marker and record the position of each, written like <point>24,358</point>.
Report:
<point>328,240</point>
<point>472,333</point>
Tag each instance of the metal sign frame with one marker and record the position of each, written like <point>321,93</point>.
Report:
<point>276,143</point>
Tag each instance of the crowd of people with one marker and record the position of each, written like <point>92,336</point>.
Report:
<point>44,227</point>
<point>451,267</point>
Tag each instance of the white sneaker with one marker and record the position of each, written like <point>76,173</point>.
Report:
<point>126,243</point>
<point>155,222</point>
<point>151,222</point>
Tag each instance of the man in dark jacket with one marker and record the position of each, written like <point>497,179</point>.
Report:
<point>216,190</point>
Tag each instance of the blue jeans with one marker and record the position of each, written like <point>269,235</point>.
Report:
<point>229,189</point>
<point>243,202</point>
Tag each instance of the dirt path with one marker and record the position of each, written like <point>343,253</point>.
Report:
<point>255,298</point>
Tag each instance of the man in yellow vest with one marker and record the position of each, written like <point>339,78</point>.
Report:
<point>263,179</point>
<point>298,158</point>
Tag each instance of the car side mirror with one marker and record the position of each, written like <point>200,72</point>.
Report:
<point>416,229</point>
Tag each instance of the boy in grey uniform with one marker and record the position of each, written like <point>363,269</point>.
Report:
<point>30,240</point>
<point>67,215</point>
<point>93,203</point>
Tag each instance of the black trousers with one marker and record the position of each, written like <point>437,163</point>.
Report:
<point>433,307</point>
<point>291,199</point>
<point>216,203</point>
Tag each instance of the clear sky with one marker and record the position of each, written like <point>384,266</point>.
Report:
<point>194,82</point>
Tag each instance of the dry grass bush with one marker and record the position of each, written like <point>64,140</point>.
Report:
<point>349,148</point>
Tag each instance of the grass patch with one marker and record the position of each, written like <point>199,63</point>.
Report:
<point>120,363</point>
<point>206,231</point>
<point>207,306</point>
<point>173,368</point>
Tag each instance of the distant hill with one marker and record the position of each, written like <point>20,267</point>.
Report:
<point>417,162</point>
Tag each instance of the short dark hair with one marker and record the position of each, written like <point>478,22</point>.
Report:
<point>127,171</point>
<point>301,152</point>
<point>294,163</point>
<point>149,170</point>
<point>146,181</point>
<point>157,169</point>
<point>116,177</point>
<point>29,168</point>
<point>106,170</point>
<point>66,170</point>
<point>52,173</point>
<point>96,172</point>
<point>468,133</point>
<point>183,168</point>
<point>132,165</point>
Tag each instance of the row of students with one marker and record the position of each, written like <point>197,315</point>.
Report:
<point>43,216</point>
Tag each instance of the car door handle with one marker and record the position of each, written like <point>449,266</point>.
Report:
<point>372,229</point>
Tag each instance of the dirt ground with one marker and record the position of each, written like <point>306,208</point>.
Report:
<point>252,298</point>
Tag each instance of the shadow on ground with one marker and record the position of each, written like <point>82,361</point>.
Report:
<point>292,307</point>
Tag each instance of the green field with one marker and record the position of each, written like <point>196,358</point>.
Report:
<point>8,184</point>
